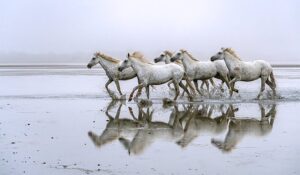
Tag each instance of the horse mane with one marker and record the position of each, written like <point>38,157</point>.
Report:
<point>169,53</point>
<point>191,56</point>
<point>231,52</point>
<point>106,57</point>
<point>140,57</point>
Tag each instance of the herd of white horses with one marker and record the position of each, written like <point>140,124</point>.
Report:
<point>182,66</point>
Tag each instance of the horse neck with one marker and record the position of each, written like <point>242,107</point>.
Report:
<point>230,61</point>
<point>137,65</point>
<point>187,61</point>
<point>107,64</point>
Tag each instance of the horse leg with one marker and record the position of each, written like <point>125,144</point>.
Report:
<point>108,90</point>
<point>273,83</point>
<point>189,84</point>
<point>197,88</point>
<point>133,90</point>
<point>139,89</point>
<point>118,86</point>
<point>147,92</point>
<point>176,89</point>
<point>202,84</point>
<point>262,87</point>
<point>233,88</point>
<point>185,89</point>
<point>139,92</point>
<point>212,82</point>
<point>169,85</point>
<point>186,85</point>
<point>226,81</point>
<point>206,84</point>
<point>231,84</point>
<point>270,84</point>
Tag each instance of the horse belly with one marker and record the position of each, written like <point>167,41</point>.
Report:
<point>250,74</point>
<point>157,79</point>
<point>205,74</point>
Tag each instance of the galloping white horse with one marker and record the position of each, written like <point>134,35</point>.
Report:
<point>110,66</point>
<point>150,74</point>
<point>166,57</point>
<point>200,70</point>
<point>247,71</point>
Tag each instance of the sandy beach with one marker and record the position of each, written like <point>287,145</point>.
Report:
<point>62,121</point>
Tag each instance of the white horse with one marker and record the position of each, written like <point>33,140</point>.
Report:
<point>166,57</point>
<point>201,70</point>
<point>150,74</point>
<point>247,71</point>
<point>110,66</point>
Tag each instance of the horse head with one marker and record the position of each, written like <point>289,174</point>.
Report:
<point>95,60</point>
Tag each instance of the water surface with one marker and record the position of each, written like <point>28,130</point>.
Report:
<point>61,121</point>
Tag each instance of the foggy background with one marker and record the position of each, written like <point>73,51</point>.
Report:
<point>70,31</point>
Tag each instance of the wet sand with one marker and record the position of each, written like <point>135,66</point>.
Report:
<point>63,122</point>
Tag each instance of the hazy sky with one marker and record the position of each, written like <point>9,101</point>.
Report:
<point>256,29</point>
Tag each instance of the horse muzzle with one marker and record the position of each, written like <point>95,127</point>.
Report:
<point>173,59</point>
<point>89,66</point>
<point>156,60</point>
<point>120,69</point>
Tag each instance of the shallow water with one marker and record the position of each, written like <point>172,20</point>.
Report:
<point>61,121</point>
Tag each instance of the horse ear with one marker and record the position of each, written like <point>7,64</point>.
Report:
<point>223,49</point>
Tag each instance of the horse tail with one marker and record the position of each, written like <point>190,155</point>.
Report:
<point>273,79</point>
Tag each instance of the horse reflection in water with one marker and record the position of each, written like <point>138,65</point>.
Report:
<point>200,120</point>
<point>238,128</point>
<point>142,129</point>
<point>185,124</point>
<point>115,127</point>
<point>152,131</point>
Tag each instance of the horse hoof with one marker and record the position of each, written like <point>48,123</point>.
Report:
<point>145,103</point>
<point>168,102</point>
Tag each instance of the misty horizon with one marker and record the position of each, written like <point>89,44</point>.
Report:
<point>71,31</point>
<point>84,58</point>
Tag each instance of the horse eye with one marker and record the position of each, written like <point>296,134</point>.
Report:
<point>219,53</point>
<point>162,55</point>
<point>125,61</point>
<point>94,58</point>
